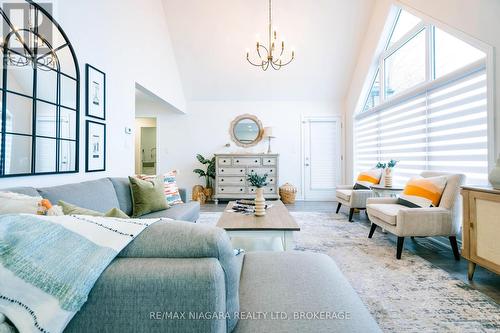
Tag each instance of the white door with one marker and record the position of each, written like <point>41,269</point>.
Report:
<point>321,157</point>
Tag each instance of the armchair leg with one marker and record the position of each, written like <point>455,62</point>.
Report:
<point>401,241</point>
<point>372,230</point>
<point>338,208</point>
<point>454,246</point>
<point>351,212</point>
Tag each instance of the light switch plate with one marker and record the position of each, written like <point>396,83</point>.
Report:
<point>128,130</point>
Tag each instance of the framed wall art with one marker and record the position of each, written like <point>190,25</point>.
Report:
<point>95,158</point>
<point>95,93</point>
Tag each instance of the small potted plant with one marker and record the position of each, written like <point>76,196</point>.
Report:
<point>259,181</point>
<point>209,174</point>
<point>388,172</point>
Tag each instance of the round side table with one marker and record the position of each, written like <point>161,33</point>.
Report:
<point>382,191</point>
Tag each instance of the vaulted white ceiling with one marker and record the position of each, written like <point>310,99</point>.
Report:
<point>210,38</point>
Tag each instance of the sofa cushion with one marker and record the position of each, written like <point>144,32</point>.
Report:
<point>189,211</point>
<point>98,195</point>
<point>386,212</point>
<point>147,196</point>
<point>122,188</point>
<point>344,194</point>
<point>313,284</point>
<point>29,191</point>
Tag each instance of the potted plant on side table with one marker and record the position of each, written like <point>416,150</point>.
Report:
<point>259,182</point>
<point>209,174</point>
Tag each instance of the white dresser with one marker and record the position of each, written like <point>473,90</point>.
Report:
<point>231,175</point>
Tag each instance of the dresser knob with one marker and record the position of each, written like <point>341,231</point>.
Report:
<point>241,180</point>
<point>268,161</point>
<point>241,170</point>
<point>222,170</point>
<point>222,180</point>
<point>256,161</point>
<point>241,190</point>
<point>237,161</point>
<point>222,190</point>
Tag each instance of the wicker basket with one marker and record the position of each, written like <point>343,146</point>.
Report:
<point>288,193</point>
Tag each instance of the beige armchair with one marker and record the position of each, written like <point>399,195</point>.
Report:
<point>444,220</point>
<point>354,199</point>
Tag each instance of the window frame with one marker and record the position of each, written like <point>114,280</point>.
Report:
<point>429,23</point>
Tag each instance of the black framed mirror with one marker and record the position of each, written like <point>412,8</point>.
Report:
<point>39,94</point>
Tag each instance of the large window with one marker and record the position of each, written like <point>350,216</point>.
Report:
<point>433,112</point>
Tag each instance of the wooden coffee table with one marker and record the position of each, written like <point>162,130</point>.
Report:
<point>278,223</point>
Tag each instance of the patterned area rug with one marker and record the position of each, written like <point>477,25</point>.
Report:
<point>407,295</point>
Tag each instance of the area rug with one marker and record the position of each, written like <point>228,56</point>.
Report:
<point>407,295</point>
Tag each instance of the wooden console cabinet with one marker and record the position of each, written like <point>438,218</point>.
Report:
<point>481,228</point>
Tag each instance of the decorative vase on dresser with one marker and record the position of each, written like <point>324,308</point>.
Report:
<point>232,171</point>
<point>494,176</point>
<point>481,227</point>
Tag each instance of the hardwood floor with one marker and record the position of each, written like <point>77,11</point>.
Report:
<point>437,251</point>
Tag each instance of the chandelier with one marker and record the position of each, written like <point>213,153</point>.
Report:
<point>268,55</point>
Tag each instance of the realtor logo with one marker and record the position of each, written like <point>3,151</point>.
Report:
<point>27,31</point>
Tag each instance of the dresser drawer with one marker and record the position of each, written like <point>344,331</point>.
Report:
<point>267,190</point>
<point>271,180</point>
<point>231,189</point>
<point>232,171</point>
<point>224,160</point>
<point>247,161</point>
<point>269,161</point>
<point>232,181</point>
<point>262,171</point>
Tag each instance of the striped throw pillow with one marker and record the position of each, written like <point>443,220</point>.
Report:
<point>171,189</point>
<point>367,179</point>
<point>422,192</point>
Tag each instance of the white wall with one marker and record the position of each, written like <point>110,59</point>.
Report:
<point>129,41</point>
<point>205,130</point>
<point>476,18</point>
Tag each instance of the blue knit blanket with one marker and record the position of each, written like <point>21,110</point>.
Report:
<point>48,265</point>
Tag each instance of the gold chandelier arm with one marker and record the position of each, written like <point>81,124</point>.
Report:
<point>276,66</point>
<point>289,61</point>
<point>265,48</point>
<point>265,65</point>
<point>253,64</point>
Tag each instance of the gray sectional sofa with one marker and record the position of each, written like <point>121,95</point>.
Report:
<point>104,194</point>
<point>184,277</point>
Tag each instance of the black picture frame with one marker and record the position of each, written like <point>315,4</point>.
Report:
<point>88,166</point>
<point>90,87</point>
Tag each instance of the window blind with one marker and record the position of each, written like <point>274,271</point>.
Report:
<point>442,127</point>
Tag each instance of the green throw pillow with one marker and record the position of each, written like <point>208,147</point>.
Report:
<point>118,213</point>
<point>147,196</point>
<point>70,209</point>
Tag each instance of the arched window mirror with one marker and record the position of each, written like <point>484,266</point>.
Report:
<point>39,92</point>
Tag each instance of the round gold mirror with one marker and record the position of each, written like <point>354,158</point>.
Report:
<point>246,130</point>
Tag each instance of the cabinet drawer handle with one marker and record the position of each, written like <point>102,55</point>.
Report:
<point>268,161</point>
<point>271,170</point>
<point>224,161</point>
<point>241,190</point>
<point>241,170</point>
<point>222,190</point>
<point>222,180</point>
<point>222,170</point>
<point>241,180</point>
<point>256,161</point>
<point>237,161</point>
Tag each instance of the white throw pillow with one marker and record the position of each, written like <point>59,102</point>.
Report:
<point>15,203</point>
